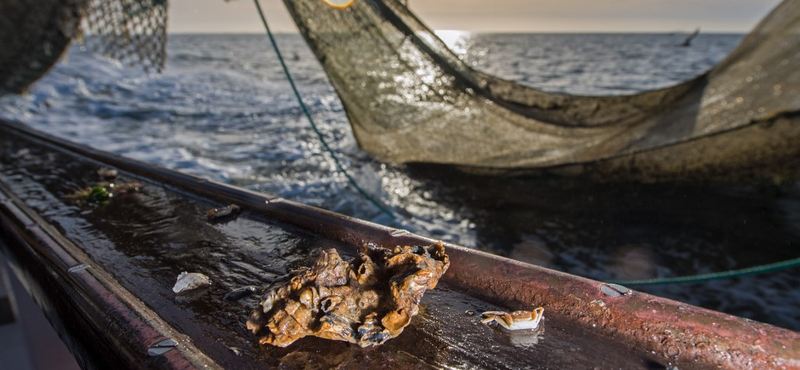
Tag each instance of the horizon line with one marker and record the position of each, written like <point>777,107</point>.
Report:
<point>710,32</point>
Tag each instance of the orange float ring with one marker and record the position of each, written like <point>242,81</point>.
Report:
<point>339,4</point>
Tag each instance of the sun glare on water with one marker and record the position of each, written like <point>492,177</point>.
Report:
<point>456,40</point>
<point>339,4</point>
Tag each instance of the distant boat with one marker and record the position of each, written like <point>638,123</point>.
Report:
<point>410,99</point>
<point>688,41</point>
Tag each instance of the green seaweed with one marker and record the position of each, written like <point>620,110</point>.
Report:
<point>98,194</point>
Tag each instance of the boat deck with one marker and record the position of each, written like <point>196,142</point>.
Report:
<point>127,253</point>
<point>144,240</point>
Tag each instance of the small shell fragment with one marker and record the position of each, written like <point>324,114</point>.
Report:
<point>107,173</point>
<point>189,281</point>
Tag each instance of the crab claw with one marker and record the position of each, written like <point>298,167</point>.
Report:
<point>517,320</point>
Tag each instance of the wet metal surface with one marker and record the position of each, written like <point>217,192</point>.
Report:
<point>77,268</point>
<point>161,347</point>
<point>145,240</point>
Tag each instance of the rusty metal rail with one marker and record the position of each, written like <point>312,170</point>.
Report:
<point>103,325</point>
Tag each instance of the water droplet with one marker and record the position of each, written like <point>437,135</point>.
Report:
<point>77,268</point>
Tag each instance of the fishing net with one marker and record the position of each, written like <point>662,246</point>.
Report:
<point>133,32</point>
<point>410,99</point>
<point>35,33</point>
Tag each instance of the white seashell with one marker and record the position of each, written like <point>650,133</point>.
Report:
<point>189,281</point>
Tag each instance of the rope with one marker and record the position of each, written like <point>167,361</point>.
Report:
<point>761,269</point>
<point>311,120</point>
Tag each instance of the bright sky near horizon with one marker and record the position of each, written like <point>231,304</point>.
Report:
<point>239,16</point>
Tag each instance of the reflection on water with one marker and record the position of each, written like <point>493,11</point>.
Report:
<point>525,338</point>
<point>456,40</point>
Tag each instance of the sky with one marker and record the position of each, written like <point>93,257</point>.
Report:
<point>239,16</point>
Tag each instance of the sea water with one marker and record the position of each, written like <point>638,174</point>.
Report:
<point>223,110</point>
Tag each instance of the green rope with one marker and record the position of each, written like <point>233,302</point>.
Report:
<point>762,269</point>
<point>311,120</point>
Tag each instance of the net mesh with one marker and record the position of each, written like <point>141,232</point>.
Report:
<point>410,99</point>
<point>133,32</point>
<point>35,33</point>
